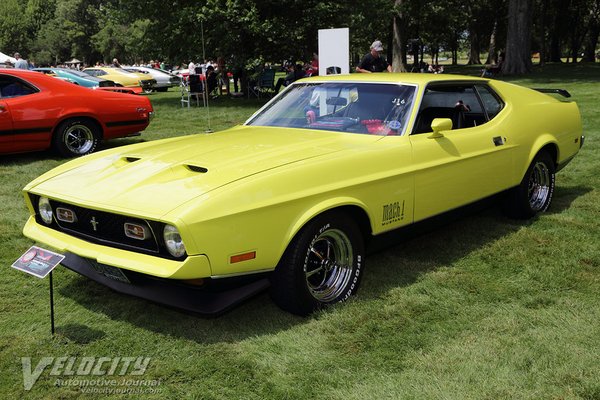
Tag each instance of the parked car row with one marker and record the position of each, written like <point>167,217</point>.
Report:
<point>136,79</point>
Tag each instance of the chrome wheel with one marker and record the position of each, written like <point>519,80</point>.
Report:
<point>79,139</point>
<point>328,267</point>
<point>539,186</point>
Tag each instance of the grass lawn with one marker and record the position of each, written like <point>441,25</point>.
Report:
<point>481,308</point>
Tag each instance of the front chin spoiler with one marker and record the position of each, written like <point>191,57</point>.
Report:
<point>209,300</point>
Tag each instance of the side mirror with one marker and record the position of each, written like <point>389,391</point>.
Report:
<point>439,125</point>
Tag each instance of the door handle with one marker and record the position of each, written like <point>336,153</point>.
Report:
<point>499,140</point>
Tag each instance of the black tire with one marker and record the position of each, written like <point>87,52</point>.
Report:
<point>321,266</point>
<point>534,193</point>
<point>76,137</point>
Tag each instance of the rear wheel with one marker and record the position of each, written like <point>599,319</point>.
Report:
<point>321,266</point>
<point>534,193</point>
<point>76,137</point>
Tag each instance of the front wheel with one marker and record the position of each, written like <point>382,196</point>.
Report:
<point>321,266</point>
<point>534,193</point>
<point>76,137</point>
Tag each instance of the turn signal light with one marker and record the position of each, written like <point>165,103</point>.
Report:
<point>242,257</point>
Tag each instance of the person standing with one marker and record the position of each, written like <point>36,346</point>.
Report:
<point>374,61</point>
<point>21,63</point>
<point>314,65</point>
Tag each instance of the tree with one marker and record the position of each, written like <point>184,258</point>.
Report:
<point>399,39</point>
<point>593,32</point>
<point>518,38</point>
<point>13,27</point>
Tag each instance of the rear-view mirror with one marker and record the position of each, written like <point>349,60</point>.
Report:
<point>337,101</point>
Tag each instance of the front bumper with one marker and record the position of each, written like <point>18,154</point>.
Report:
<point>211,299</point>
<point>148,84</point>
<point>193,267</point>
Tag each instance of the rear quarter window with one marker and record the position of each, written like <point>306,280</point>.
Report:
<point>11,86</point>
<point>491,102</point>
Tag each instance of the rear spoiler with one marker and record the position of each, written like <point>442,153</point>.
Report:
<point>562,92</point>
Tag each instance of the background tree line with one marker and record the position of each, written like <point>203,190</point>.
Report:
<point>247,31</point>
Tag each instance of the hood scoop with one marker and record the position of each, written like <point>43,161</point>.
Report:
<point>196,168</point>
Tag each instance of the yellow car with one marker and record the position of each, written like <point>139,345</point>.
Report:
<point>123,78</point>
<point>290,198</point>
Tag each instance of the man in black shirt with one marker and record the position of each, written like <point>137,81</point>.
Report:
<point>373,61</point>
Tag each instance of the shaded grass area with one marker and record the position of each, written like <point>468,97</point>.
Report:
<point>482,307</point>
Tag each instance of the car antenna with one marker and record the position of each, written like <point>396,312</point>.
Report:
<point>209,130</point>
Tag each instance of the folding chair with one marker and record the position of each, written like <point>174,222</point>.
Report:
<point>194,87</point>
<point>264,84</point>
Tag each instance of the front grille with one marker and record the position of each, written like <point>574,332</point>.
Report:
<point>105,228</point>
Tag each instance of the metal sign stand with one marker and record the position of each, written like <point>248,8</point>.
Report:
<point>51,303</point>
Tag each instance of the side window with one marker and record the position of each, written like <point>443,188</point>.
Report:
<point>11,86</point>
<point>457,102</point>
<point>490,100</point>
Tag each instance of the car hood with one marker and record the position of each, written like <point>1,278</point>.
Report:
<point>157,177</point>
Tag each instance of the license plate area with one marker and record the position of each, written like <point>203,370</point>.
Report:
<point>109,271</point>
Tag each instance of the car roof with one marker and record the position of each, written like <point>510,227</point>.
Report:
<point>19,72</point>
<point>41,80</point>
<point>404,77</point>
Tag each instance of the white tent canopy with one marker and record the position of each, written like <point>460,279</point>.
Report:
<point>4,58</point>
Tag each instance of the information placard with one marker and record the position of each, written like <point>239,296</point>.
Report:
<point>38,262</point>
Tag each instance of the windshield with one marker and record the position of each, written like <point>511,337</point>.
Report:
<point>380,109</point>
<point>78,73</point>
<point>121,70</point>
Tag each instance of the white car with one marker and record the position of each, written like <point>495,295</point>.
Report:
<point>164,80</point>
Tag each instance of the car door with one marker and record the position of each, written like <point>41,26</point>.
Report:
<point>467,163</point>
<point>6,129</point>
<point>32,113</point>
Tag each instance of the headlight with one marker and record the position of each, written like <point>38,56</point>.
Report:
<point>45,210</point>
<point>173,241</point>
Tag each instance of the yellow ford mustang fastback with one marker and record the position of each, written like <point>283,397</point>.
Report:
<point>289,199</point>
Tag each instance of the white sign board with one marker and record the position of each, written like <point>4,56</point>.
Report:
<point>334,51</point>
<point>38,262</point>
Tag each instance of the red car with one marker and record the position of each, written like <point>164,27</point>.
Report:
<point>38,112</point>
